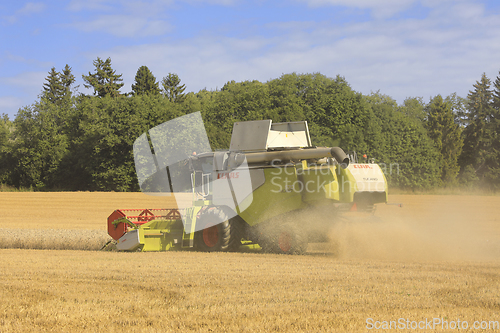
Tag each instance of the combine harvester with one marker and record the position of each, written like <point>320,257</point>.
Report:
<point>261,193</point>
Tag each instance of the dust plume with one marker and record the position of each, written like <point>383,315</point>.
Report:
<point>448,228</point>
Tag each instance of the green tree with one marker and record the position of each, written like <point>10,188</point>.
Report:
<point>145,82</point>
<point>401,146</point>
<point>104,80</point>
<point>492,175</point>
<point>172,88</point>
<point>446,135</point>
<point>102,145</point>
<point>39,146</point>
<point>496,93</point>
<point>458,106</point>
<point>338,116</point>
<point>58,85</point>
<point>53,89</point>
<point>477,134</point>
<point>236,101</point>
<point>414,108</point>
<point>6,162</point>
<point>4,132</point>
<point>67,80</point>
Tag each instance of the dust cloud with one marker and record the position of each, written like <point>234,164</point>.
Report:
<point>426,228</point>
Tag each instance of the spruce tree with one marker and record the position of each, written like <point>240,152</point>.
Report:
<point>67,79</point>
<point>446,134</point>
<point>145,82</point>
<point>53,89</point>
<point>104,80</point>
<point>58,85</point>
<point>492,175</point>
<point>496,93</point>
<point>173,89</point>
<point>477,134</point>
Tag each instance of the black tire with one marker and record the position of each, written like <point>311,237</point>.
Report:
<point>290,239</point>
<point>268,246</point>
<point>219,232</point>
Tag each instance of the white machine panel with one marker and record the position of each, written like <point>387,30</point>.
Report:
<point>369,177</point>
<point>129,241</point>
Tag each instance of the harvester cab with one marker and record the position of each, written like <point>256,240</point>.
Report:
<point>251,195</point>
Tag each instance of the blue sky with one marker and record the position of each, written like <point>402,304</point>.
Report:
<point>402,48</point>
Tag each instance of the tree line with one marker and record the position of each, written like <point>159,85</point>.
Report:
<point>73,141</point>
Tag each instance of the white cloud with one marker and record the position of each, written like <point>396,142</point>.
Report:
<point>110,5</point>
<point>445,52</point>
<point>28,9</point>
<point>380,8</point>
<point>15,58</point>
<point>123,19</point>
<point>125,26</point>
<point>401,58</point>
<point>28,82</point>
<point>20,90</point>
<point>10,105</point>
<point>31,7</point>
<point>211,2</point>
<point>100,5</point>
<point>129,18</point>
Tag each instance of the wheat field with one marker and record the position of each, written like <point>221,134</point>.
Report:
<point>435,259</point>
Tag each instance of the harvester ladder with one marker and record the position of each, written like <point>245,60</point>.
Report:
<point>188,238</point>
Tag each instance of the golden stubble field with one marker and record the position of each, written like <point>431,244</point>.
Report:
<point>437,258</point>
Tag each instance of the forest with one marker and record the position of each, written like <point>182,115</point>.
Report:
<point>67,140</point>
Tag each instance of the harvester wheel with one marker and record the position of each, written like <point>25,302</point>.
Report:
<point>217,235</point>
<point>290,240</point>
